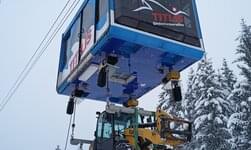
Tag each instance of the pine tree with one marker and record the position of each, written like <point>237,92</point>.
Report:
<point>244,52</point>
<point>240,121</point>
<point>190,97</point>
<point>210,111</point>
<point>167,104</point>
<point>188,105</point>
<point>228,77</point>
<point>227,80</point>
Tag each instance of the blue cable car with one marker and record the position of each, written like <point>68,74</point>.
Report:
<point>121,49</point>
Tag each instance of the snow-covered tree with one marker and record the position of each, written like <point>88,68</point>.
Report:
<point>166,103</point>
<point>240,121</point>
<point>210,112</point>
<point>228,79</point>
<point>244,53</point>
<point>190,97</point>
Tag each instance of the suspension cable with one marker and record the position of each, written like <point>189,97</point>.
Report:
<point>36,51</point>
<point>13,90</point>
<point>68,133</point>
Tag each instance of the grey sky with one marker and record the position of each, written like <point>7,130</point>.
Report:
<point>35,118</point>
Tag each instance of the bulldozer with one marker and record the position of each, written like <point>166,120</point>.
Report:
<point>133,128</point>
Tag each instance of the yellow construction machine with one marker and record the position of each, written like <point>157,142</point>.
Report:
<point>133,128</point>
<point>129,127</point>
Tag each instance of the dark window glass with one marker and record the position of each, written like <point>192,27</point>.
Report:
<point>174,19</point>
<point>88,16</point>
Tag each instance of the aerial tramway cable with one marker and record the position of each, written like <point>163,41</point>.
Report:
<point>34,54</point>
<point>71,122</point>
<point>31,63</point>
<point>68,133</point>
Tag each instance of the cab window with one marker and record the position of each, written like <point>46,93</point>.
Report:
<point>107,132</point>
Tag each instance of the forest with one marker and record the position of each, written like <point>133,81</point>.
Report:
<point>218,101</point>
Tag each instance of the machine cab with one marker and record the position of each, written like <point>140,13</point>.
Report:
<point>117,126</point>
<point>110,129</point>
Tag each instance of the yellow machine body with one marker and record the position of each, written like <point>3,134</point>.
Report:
<point>156,134</point>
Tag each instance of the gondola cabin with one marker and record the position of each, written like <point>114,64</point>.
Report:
<point>123,48</point>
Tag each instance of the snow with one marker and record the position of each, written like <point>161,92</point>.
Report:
<point>243,103</point>
<point>206,103</point>
<point>243,82</point>
<point>198,104</point>
<point>201,84</point>
<point>218,120</point>
<point>225,92</point>
<point>215,101</point>
<point>233,119</point>
<point>219,108</point>
<point>210,116</point>
<point>200,120</point>
<point>237,119</point>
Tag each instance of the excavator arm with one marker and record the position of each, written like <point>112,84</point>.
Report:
<point>165,130</point>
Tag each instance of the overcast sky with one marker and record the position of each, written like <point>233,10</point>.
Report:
<point>35,117</point>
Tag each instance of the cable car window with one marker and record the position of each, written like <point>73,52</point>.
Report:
<point>174,19</point>
<point>103,7</point>
<point>88,15</point>
<point>71,48</point>
<point>87,28</point>
<point>102,20</point>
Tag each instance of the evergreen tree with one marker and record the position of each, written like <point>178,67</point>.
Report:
<point>244,52</point>
<point>167,104</point>
<point>227,80</point>
<point>228,77</point>
<point>188,105</point>
<point>190,97</point>
<point>210,112</point>
<point>240,121</point>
